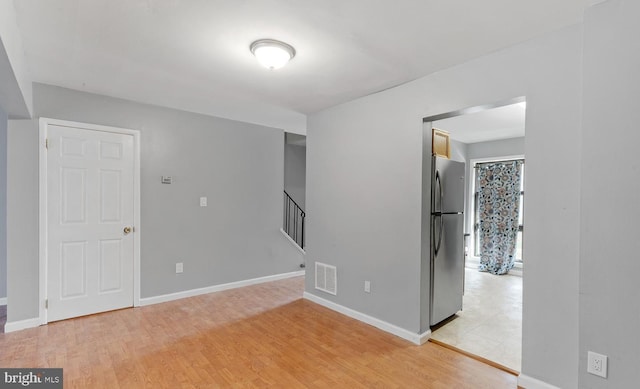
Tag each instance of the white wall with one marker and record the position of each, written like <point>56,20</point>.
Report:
<point>609,264</point>
<point>373,146</point>
<point>238,166</point>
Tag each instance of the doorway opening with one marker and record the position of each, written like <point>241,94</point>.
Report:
<point>293,210</point>
<point>489,325</point>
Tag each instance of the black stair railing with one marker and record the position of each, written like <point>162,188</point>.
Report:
<point>293,220</point>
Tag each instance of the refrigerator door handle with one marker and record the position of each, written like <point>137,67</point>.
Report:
<point>441,195</point>
<point>433,236</point>
<point>439,240</point>
<point>438,185</point>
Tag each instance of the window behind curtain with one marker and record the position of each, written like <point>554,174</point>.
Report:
<point>476,217</point>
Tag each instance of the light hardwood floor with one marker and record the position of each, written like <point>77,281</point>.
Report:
<point>259,336</point>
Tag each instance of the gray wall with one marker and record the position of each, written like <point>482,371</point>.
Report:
<point>459,151</point>
<point>3,203</point>
<point>22,220</point>
<point>295,172</point>
<point>609,266</point>
<point>15,78</point>
<point>373,145</point>
<point>496,148</point>
<point>238,166</point>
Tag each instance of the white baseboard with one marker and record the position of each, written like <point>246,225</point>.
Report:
<point>527,382</point>
<point>293,242</point>
<point>3,301</point>
<point>216,288</point>
<point>13,326</point>
<point>381,324</point>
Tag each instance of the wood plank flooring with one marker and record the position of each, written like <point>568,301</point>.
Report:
<point>261,336</point>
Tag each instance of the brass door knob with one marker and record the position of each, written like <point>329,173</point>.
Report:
<point>127,230</point>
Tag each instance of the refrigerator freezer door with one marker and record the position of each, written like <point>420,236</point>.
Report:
<point>447,186</point>
<point>447,266</point>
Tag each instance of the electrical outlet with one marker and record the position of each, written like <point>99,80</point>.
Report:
<point>367,286</point>
<point>179,267</point>
<point>203,201</point>
<point>597,364</point>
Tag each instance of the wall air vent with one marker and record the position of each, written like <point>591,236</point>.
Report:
<point>326,278</point>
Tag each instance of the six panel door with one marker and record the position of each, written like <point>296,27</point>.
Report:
<point>90,192</point>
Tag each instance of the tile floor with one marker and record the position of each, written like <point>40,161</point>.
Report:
<point>490,324</point>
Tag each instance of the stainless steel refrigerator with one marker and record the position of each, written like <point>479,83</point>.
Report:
<point>447,238</point>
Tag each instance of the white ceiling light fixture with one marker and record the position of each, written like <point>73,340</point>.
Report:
<point>271,53</point>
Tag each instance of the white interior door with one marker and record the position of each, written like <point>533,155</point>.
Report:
<point>90,214</point>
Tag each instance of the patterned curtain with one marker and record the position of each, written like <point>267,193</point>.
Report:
<point>498,186</point>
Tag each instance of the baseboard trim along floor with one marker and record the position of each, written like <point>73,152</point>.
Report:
<point>21,324</point>
<point>526,382</point>
<point>380,324</point>
<point>216,288</point>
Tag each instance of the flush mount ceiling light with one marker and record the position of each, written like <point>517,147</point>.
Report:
<point>271,53</point>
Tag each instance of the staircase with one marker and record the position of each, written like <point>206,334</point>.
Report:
<point>293,220</point>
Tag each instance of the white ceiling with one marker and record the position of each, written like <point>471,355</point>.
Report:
<point>194,54</point>
<point>493,124</point>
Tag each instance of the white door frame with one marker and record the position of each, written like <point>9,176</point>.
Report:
<point>44,124</point>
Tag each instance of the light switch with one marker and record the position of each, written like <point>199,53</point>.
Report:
<point>203,201</point>
<point>167,179</point>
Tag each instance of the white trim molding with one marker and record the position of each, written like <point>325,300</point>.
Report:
<point>293,242</point>
<point>42,220</point>
<point>216,288</point>
<point>3,301</point>
<point>527,382</point>
<point>393,329</point>
<point>13,326</point>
